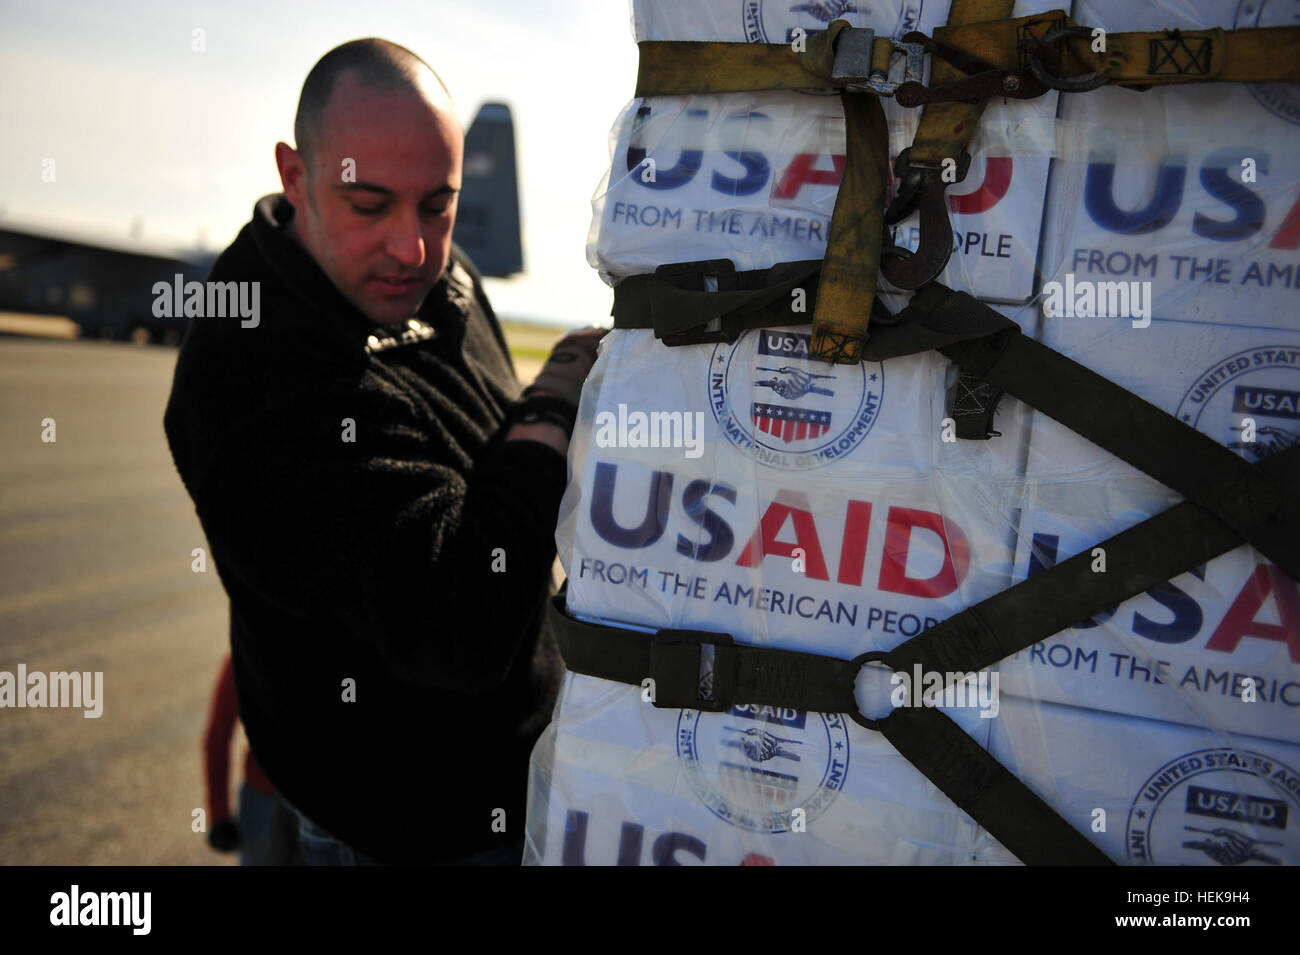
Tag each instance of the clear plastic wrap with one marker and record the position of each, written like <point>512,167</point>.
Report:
<point>799,505</point>
<point>753,176</point>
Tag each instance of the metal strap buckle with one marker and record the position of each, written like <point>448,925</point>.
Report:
<point>852,67</point>
<point>675,657</point>
<point>696,275</point>
<point>982,80</point>
<point>725,328</point>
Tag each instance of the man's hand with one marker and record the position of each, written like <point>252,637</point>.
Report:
<point>224,836</point>
<point>561,378</point>
<point>565,371</point>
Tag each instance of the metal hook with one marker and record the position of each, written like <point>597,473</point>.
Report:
<point>1044,47</point>
<point>983,79</point>
<point>921,186</point>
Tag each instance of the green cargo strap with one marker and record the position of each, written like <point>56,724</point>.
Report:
<point>1245,498</point>
<point>986,790</point>
<point>1146,555</point>
<point>675,303</point>
<point>671,658</point>
<point>974,780</point>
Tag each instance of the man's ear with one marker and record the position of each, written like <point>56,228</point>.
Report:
<point>293,174</point>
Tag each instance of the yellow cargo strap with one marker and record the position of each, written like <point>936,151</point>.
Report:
<point>946,128</point>
<point>679,68</point>
<point>1263,55</point>
<point>848,279</point>
<point>1020,57</point>
<point>1141,59</point>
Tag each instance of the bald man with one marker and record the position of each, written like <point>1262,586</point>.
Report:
<point>378,496</point>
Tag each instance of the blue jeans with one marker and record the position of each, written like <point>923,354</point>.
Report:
<point>318,847</point>
<point>268,829</point>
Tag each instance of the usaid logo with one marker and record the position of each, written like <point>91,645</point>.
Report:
<point>772,400</point>
<point>764,768</point>
<point>780,715</point>
<point>775,22</point>
<point>1250,401</point>
<point>1274,402</point>
<point>1216,806</point>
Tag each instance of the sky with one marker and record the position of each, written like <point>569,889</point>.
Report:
<point>156,143</point>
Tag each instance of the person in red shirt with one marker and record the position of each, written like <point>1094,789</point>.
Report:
<point>266,833</point>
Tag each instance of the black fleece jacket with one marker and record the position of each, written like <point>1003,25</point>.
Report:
<point>372,559</point>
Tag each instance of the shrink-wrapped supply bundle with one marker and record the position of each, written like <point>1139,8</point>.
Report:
<point>745,487</point>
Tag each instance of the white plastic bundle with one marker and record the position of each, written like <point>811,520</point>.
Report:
<point>753,176</point>
<point>794,504</point>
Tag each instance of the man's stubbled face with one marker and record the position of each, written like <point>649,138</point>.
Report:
<point>385,238</point>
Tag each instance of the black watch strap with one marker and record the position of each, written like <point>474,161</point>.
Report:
<point>543,409</point>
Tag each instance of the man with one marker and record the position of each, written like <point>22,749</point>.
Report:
<point>379,502</point>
